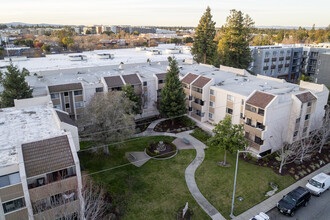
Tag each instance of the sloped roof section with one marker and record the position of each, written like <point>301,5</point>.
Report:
<point>65,118</point>
<point>201,82</point>
<point>113,81</point>
<point>65,87</point>
<point>306,97</point>
<point>161,76</point>
<point>189,78</point>
<point>132,79</point>
<point>260,99</point>
<point>47,155</point>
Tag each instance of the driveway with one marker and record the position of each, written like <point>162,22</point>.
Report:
<point>318,208</point>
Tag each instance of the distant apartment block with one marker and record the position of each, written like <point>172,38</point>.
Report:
<point>39,168</point>
<point>323,69</point>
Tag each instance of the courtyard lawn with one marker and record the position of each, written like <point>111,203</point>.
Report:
<point>154,191</point>
<point>216,183</point>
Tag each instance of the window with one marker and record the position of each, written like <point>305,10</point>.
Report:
<point>249,121</point>
<point>55,95</point>
<point>67,105</point>
<point>305,129</point>
<point>79,104</point>
<point>210,115</point>
<point>212,92</point>
<point>230,98</point>
<point>261,111</point>
<point>261,126</point>
<point>145,83</point>
<point>258,140</point>
<point>190,97</point>
<point>13,205</point>
<point>9,179</point>
<point>211,104</point>
<point>297,120</point>
<point>250,108</point>
<point>307,116</point>
<point>78,92</point>
<point>57,106</point>
<point>242,116</point>
<point>295,133</point>
<point>229,111</point>
<point>66,93</point>
<point>161,81</point>
<point>199,90</point>
<point>190,109</point>
<point>309,103</point>
<point>100,89</point>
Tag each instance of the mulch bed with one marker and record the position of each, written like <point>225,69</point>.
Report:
<point>169,151</point>
<point>178,126</point>
<point>142,125</point>
<point>294,169</point>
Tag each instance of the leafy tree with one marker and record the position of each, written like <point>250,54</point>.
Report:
<point>67,42</point>
<point>188,40</point>
<point>131,95</point>
<point>172,102</point>
<point>204,49</point>
<point>233,47</point>
<point>228,137</point>
<point>305,78</point>
<point>45,48</point>
<point>15,87</point>
<point>261,40</point>
<point>280,36</point>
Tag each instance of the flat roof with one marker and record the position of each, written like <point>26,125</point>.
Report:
<point>19,126</point>
<point>127,56</point>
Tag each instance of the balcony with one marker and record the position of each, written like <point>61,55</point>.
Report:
<point>254,116</point>
<point>197,94</point>
<point>21,214</point>
<point>287,65</point>
<point>11,192</point>
<point>253,144</point>
<point>186,91</point>
<point>280,65</point>
<point>70,207</point>
<point>53,188</point>
<point>195,116</point>
<point>288,58</point>
<point>273,66</point>
<point>266,60</point>
<point>196,106</point>
<point>274,59</point>
<point>253,130</point>
<point>281,59</point>
<point>266,67</point>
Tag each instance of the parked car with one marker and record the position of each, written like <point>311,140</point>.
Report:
<point>293,200</point>
<point>260,216</point>
<point>318,184</point>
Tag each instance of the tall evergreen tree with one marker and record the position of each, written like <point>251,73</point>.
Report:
<point>172,102</point>
<point>204,49</point>
<point>15,87</point>
<point>131,95</point>
<point>233,47</point>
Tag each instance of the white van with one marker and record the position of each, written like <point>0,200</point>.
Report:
<point>318,184</point>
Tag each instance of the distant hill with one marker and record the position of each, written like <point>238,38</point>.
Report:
<point>15,24</point>
<point>288,27</point>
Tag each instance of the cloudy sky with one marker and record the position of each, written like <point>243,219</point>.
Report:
<point>165,12</point>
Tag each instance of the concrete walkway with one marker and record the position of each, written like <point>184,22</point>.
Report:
<point>140,158</point>
<point>153,124</point>
<point>270,203</point>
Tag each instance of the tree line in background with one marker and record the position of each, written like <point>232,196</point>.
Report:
<point>229,45</point>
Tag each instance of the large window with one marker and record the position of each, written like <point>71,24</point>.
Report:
<point>9,179</point>
<point>196,89</point>
<point>79,104</point>
<point>211,115</point>
<point>78,92</point>
<point>229,111</point>
<point>13,205</point>
<point>211,104</point>
<point>100,89</point>
<point>161,81</point>
<point>307,116</point>
<point>230,98</point>
<point>261,111</point>
<point>212,92</point>
<point>250,108</point>
<point>258,140</point>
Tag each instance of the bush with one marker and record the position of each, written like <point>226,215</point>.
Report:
<point>186,121</point>
<point>152,152</point>
<point>200,135</point>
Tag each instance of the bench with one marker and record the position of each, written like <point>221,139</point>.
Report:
<point>132,156</point>
<point>186,141</point>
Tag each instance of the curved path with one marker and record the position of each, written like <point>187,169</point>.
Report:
<point>191,169</point>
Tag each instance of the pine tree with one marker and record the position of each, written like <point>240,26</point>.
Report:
<point>131,95</point>
<point>228,137</point>
<point>233,47</point>
<point>172,102</point>
<point>204,49</point>
<point>14,86</point>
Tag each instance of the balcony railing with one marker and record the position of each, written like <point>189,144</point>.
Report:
<point>273,66</point>
<point>266,60</point>
<point>266,67</point>
<point>288,58</point>
<point>274,59</point>
<point>281,58</point>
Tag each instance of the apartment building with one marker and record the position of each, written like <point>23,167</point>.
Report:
<point>272,110</point>
<point>323,69</point>
<point>39,168</point>
<point>311,57</point>
<point>282,62</point>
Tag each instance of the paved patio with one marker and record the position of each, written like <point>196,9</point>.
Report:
<point>140,158</point>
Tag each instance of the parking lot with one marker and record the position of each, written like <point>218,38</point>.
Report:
<point>318,208</point>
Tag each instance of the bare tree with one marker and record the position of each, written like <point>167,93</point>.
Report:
<point>109,117</point>
<point>323,135</point>
<point>287,154</point>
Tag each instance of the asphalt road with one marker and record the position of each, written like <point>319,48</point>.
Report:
<point>317,209</point>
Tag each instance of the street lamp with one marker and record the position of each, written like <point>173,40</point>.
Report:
<point>232,203</point>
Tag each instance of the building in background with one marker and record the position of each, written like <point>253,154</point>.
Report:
<point>39,168</point>
<point>322,73</point>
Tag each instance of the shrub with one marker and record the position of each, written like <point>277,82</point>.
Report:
<point>200,135</point>
<point>186,121</point>
<point>296,177</point>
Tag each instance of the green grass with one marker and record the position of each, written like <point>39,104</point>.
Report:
<point>216,183</point>
<point>154,191</point>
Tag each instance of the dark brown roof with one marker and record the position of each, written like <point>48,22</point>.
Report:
<point>161,76</point>
<point>113,81</point>
<point>64,117</point>
<point>260,99</point>
<point>189,78</point>
<point>65,87</point>
<point>47,155</point>
<point>132,79</point>
<point>306,97</point>
<point>201,82</point>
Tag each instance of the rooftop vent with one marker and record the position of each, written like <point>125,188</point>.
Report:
<point>121,66</point>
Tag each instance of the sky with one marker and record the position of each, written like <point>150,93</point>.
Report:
<point>164,12</point>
